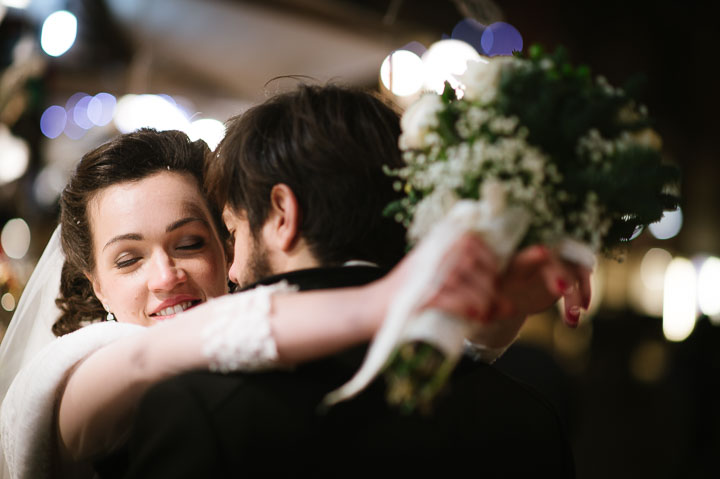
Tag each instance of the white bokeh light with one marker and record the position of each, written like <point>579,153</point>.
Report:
<point>653,266</point>
<point>58,33</point>
<point>444,60</point>
<point>668,226</point>
<point>402,72</point>
<point>679,300</point>
<point>209,130</point>
<point>8,302</point>
<point>152,111</point>
<point>709,287</point>
<point>15,238</point>
<point>48,185</point>
<point>20,4</point>
<point>14,156</point>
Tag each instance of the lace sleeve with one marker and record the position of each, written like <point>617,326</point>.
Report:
<point>239,337</point>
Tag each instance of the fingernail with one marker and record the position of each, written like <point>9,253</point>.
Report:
<point>573,317</point>
<point>561,285</point>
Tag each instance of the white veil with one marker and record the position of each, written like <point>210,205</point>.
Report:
<point>30,327</point>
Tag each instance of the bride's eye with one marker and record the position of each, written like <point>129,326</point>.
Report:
<point>191,244</point>
<point>126,261</point>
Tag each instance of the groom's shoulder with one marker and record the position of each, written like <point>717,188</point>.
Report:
<point>325,277</point>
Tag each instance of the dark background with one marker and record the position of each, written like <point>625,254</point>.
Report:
<point>635,404</point>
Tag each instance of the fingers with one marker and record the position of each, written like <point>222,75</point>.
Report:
<point>559,279</point>
<point>468,286</point>
<point>583,275</point>
<point>576,297</point>
<point>529,261</point>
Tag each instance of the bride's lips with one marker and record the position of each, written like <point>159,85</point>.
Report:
<point>172,306</point>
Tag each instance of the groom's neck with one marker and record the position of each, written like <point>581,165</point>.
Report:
<point>293,260</point>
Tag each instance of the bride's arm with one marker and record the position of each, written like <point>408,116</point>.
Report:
<point>100,395</point>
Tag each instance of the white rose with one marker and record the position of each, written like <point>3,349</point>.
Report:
<point>481,78</point>
<point>417,121</point>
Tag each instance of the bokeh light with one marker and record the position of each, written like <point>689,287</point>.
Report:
<point>470,31</point>
<point>52,121</point>
<point>152,111</point>
<point>8,302</point>
<point>653,266</point>
<point>402,72</point>
<point>73,130</point>
<point>101,108</point>
<point>668,226</point>
<point>209,130</point>
<point>444,60</point>
<point>501,38</point>
<point>15,238</point>
<point>15,156</point>
<point>679,303</point>
<point>58,33</point>
<point>73,100</point>
<point>48,185</point>
<point>22,4</point>
<point>80,115</point>
<point>709,287</point>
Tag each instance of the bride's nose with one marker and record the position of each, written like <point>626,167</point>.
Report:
<point>165,273</point>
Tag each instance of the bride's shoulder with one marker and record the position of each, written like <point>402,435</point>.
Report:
<point>58,356</point>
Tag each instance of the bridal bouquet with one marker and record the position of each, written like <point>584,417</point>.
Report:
<point>530,150</point>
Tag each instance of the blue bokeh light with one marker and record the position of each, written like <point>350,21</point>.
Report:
<point>470,31</point>
<point>501,38</point>
<point>52,121</point>
<point>101,108</point>
<point>79,113</point>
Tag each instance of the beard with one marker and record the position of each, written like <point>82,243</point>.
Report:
<point>258,264</point>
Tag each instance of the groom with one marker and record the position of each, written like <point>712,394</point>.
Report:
<point>302,183</point>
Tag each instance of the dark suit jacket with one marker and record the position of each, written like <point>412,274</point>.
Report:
<point>211,425</point>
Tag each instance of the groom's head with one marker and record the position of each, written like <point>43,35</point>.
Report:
<point>301,177</point>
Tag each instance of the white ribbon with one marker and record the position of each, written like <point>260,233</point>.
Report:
<point>501,231</point>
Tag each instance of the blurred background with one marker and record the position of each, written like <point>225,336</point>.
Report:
<point>635,383</point>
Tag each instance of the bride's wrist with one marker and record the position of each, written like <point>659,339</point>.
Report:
<point>373,303</point>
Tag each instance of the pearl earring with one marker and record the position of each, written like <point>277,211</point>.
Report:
<point>110,316</point>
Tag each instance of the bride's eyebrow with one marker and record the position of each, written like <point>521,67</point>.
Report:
<point>128,236</point>
<point>193,212</point>
<point>180,223</point>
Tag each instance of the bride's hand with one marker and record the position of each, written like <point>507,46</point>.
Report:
<point>467,287</point>
<point>536,278</point>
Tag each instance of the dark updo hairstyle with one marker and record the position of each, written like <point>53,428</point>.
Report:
<point>126,158</point>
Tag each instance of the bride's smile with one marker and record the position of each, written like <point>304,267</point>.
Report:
<point>156,250</point>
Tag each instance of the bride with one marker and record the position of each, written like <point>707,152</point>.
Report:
<point>142,247</point>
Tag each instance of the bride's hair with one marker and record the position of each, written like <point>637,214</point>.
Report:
<point>127,158</point>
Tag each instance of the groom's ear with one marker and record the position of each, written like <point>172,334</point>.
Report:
<point>283,224</point>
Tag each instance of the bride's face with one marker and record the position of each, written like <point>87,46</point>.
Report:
<point>156,249</point>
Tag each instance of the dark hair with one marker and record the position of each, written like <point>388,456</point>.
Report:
<point>129,157</point>
<point>329,145</point>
